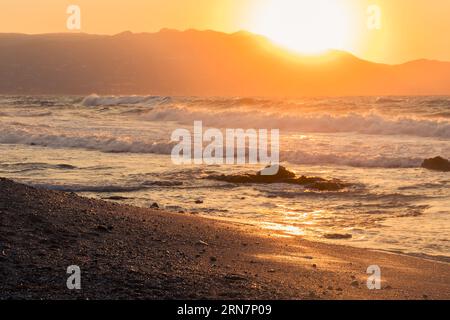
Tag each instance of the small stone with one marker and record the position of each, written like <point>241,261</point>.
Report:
<point>154,206</point>
<point>355,283</point>
<point>199,201</point>
<point>201,243</point>
<point>213,259</point>
<point>103,228</point>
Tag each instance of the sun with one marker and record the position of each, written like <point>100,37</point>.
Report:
<point>306,26</point>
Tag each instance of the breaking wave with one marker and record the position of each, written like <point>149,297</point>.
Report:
<point>371,123</point>
<point>111,144</point>
<point>311,116</point>
<point>95,100</point>
<point>104,143</point>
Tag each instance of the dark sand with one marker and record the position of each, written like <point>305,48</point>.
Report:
<point>133,253</point>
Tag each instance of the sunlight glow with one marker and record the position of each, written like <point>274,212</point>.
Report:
<point>305,26</point>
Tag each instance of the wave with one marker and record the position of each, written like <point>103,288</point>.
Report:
<point>325,116</point>
<point>109,188</point>
<point>88,188</point>
<point>389,100</point>
<point>371,123</point>
<point>360,161</point>
<point>30,166</point>
<point>104,143</point>
<point>111,144</point>
<point>95,101</point>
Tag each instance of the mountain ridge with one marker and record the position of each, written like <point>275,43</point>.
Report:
<point>202,63</point>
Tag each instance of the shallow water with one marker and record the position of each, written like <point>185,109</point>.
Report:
<point>120,146</point>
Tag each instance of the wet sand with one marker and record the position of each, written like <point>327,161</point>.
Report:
<point>127,252</point>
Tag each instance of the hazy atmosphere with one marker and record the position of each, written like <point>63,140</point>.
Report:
<point>410,29</point>
<point>200,151</point>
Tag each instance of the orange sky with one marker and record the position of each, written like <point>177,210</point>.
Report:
<point>410,29</point>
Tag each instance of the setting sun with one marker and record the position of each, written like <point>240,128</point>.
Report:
<point>304,26</point>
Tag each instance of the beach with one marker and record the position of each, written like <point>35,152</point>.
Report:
<point>127,252</point>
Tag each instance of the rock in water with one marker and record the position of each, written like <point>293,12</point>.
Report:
<point>437,164</point>
<point>284,176</point>
<point>154,206</point>
<point>337,236</point>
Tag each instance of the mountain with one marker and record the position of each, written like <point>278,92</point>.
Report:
<point>199,63</point>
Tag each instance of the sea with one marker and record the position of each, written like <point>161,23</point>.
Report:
<point>118,148</point>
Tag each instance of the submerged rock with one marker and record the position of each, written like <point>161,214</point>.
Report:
<point>337,236</point>
<point>437,164</point>
<point>283,176</point>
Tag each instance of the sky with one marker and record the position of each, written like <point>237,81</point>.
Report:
<point>391,31</point>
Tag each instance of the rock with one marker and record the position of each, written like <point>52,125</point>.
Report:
<point>337,236</point>
<point>103,228</point>
<point>355,283</point>
<point>283,176</point>
<point>198,201</point>
<point>116,198</point>
<point>213,259</point>
<point>437,164</point>
<point>154,206</point>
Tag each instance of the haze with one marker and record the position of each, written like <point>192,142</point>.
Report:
<point>410,29</point>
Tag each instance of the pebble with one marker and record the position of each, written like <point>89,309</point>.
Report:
<point>201,243</point>
<point>355,283</point>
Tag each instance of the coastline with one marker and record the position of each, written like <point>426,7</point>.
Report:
<point>127,252</point>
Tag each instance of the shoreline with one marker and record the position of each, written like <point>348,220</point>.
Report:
<point>418,255</point>
<point>126,252</point>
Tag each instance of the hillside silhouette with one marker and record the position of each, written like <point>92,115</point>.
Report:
<point>201,63</point>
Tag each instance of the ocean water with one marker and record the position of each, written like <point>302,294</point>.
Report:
<point>107,147</point>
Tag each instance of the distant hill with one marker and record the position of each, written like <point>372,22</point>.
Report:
<point>199,63</point>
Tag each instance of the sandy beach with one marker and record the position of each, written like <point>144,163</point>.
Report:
<point>128,252</point>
